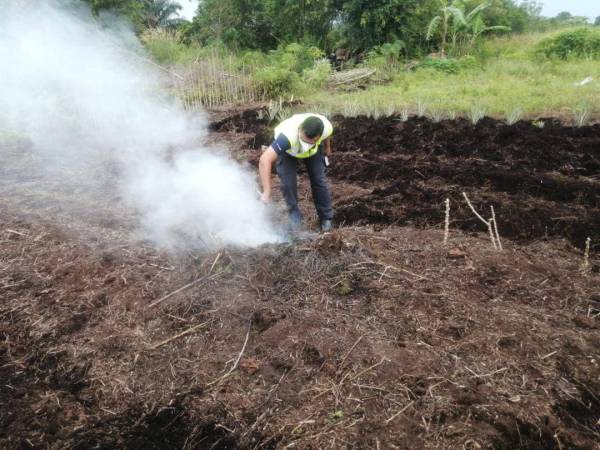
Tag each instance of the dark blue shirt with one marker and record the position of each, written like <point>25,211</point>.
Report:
<point>281,144</point>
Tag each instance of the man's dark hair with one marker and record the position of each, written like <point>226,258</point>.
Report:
<point>313,127</point>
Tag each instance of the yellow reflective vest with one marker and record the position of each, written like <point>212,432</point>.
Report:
<point>290,128</point>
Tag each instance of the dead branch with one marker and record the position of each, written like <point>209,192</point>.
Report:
<point>399,412</point>
<point>350,351</point>
<point>447,222</point>
<point>586,254</point>
<point>496,228</point>
<point>177,336</point>
<point>8,230</point>
<point>488,223</point>
<point>187,286</point>
<point>237,361</point>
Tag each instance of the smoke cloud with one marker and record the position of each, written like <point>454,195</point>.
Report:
<point>96,116</point>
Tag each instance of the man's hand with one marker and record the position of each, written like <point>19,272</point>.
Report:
<point>265,164</point>
<point>265,198</point>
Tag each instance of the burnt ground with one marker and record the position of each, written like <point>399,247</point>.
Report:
<point>374,336</point>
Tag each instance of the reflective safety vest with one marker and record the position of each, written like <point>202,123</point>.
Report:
<point>290,128</point>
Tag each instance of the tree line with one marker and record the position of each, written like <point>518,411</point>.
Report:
<point>416,26</point>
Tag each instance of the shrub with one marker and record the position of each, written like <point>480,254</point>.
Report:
<point>317,76</point>
<point>276,81</point>
<point>164,46</point>
<point>448,65</point>
<point>579,43</point>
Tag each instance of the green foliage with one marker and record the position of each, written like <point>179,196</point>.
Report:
<point>292,68</point>
<point>365,24</point>
<point>464,26</point>
<point>316,77</point>
<point>143,13</point>
<point>448,65</point>
<point>166,47</point>
<point>578,43</point>
<point>386,58</point>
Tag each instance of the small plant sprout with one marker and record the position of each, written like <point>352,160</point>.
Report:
<point>581,115</point>
<point>351,109</point>
<point>538,123</point>
<point>586,255</point>
<point>452,114</point>
<point>488,223</point>
<point>437,115</point>
<point>390,110</point>
<point>421,108</point>
<point>447,222</point>
<point>284,113</point>
<point>404,114</point>
<point>274,109</point>
<point>514,115</point>
<point>476,113</point>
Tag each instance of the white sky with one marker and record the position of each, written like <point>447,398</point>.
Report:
<point>188,8</point>
<point>589,8</point>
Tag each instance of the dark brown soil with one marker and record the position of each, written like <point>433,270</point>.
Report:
<point>374,336</point>
<point>542,182</point>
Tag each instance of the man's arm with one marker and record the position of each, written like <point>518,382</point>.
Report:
<point>328,146</point>
<point>265,165</point>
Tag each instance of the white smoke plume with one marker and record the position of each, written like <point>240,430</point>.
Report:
<point>93,109</point>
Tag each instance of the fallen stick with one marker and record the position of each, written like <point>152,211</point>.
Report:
<point>399,412</point>
<point>187,286</point>
<point>177,336</point>
<point>350,351</point>
<point>496,228</point>
<point>447,222</point>
<point>486,222</point>
<point>14,232</point>
<point>586,254</point>
<point>237,361</point>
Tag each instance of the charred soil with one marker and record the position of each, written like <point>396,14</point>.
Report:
<point>373,336</point>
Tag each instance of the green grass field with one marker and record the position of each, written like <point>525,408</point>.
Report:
<point>509,82</point>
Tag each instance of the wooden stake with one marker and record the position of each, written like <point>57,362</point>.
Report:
<point>447,222</point>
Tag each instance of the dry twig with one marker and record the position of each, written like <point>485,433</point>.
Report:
<point>447,222</point>
<point>187,286</point>
<point>177,336</point>
<point>399,412</point>
<point>237,361</point>
<point>488,223</point>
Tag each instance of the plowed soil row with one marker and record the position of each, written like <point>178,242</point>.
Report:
<point>542,182</point>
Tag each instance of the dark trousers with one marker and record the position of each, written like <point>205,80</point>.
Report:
<point>287,167</point>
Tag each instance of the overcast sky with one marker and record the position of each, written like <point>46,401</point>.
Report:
<point>188,8</point>
<point>589,8</point>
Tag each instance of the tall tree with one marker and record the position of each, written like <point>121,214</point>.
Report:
<point>160,13</point>
<point>367,23</point>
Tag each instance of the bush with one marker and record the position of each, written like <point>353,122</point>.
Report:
<point>276,81</point>
<point>316,77</point>
<point>286,69</point>
<point>579,43</point>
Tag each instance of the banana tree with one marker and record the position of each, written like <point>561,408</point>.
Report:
<point>468,27</point>
<point>447,12</point>
<point>465,27</point>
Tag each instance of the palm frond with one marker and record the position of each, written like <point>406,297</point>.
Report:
<point>477,10</point>
<point>432,27</point>
<point>458,14</point>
